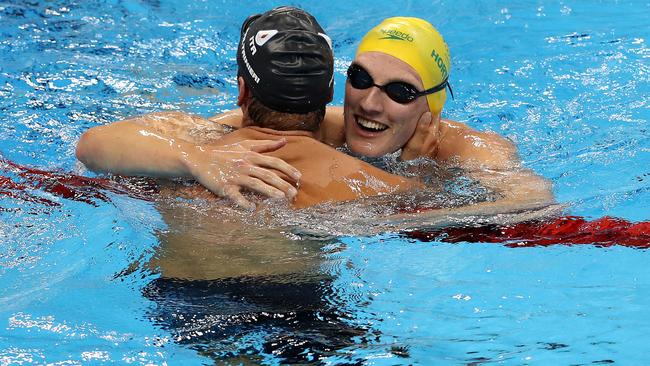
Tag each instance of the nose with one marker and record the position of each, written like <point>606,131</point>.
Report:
<point>372,101</point>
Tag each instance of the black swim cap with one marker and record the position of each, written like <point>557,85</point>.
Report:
<point>286,59</point>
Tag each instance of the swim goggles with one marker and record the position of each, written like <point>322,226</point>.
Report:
<point>399,91</point>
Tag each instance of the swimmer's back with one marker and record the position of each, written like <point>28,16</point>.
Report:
<point>327,174</point>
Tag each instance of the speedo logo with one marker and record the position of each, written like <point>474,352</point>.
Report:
<point>440,63</point>
<point>396,35</point>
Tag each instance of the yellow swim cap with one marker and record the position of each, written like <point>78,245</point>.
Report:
<point>416,42</point>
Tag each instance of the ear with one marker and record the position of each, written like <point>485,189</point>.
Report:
<point>244,92</point>
<point>243,100</point>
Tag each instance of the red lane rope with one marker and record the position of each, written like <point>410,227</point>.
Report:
<point>64,185</point>
<point>568,230</point>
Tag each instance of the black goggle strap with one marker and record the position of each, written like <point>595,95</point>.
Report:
<point>437,88</point>
<point>450,91</point>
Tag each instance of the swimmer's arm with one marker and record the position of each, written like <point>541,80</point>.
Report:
<point>488,157</point>
<point>493,161</point>
<point>517,189</point>
<point>523,194</point>
<point>501,172</point>
<point>149,145</point>
<point>174,144</point>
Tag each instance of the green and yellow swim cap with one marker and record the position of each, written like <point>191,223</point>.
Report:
<point>416,42</point>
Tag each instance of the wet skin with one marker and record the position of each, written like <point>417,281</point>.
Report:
<point>376,125</point>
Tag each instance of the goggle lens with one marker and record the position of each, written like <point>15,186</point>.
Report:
<point>398,91</point>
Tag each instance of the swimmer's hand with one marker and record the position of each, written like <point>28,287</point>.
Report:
<point>424,141</point>
<point>225,170</point>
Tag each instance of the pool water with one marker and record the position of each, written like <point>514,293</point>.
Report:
<point>80,279</point>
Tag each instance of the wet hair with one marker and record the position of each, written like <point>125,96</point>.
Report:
<point>263,116</point>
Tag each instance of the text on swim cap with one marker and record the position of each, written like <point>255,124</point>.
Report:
<point>396,35</point>
<point>248,65</point>
<point>251,43</point>
<point>440,63</point>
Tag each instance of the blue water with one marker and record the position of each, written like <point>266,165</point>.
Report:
<point>568,82</point>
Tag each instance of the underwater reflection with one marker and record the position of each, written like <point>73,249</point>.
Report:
<point>240,293</point>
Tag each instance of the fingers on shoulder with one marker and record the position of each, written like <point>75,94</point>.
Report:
<point>275,163</point>
<point>262,146</point>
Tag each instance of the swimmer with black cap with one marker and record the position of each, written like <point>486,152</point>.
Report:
<point>285,80</point>
<point>286,59</point>
<point>174,144</point>
<point>395,93</point>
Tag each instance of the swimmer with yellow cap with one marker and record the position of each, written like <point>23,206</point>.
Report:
<point>395,92</point>
<point>400,72</point>
<point>417,43</point>
<point>394,96</point>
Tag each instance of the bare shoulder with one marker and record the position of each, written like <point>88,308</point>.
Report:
<point>331,130</point>
<point>471,147</point>
<point>181,125</point>
<point>232,118</point>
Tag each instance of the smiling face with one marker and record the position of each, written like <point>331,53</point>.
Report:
<point>376,125</point>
